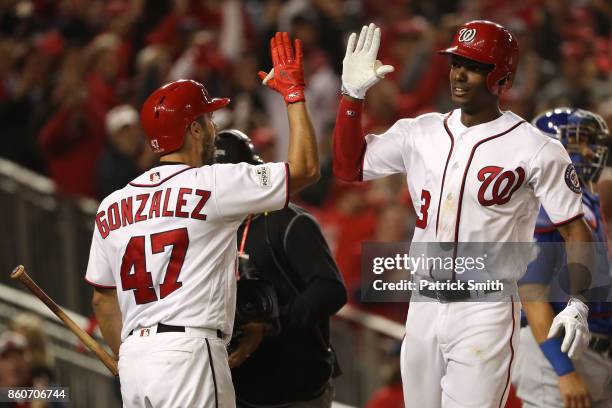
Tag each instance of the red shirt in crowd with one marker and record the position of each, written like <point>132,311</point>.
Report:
<point>71,141</point>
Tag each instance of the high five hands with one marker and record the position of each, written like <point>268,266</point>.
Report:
<point>287,74</point>
<point>360,68</point>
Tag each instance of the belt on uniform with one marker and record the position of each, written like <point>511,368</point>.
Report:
<point>167,328</point>
<point>601,345</point>
<point>447,295</point>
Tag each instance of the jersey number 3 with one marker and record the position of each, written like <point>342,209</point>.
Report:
<point>134,258</point>
<point>421,221</point>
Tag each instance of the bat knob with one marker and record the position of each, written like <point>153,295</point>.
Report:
<point>17,272</point>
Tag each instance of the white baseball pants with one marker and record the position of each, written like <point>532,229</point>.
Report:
<point>459,354</point>
<point>175,370</point>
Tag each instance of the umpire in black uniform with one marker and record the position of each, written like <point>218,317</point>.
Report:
<point>292,364</point>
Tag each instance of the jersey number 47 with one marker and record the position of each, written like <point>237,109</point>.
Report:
<point>141,281</point>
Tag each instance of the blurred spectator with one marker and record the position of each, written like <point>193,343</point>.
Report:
<point>126,154</point>
<point>16,369</point>
<point>25,94</point>
<point>15,360</point>
<point>393,224</point>
<point>390,395</point>
<point>393,227</point>
<point>520,98</point>
<point>201,60</point>
<point>407,46</point>
<point>187,15</point>
<point>381,107</point>
<point>320,24</point>
<point>29,326</point>
<point>236,32</point>
<point>318,194</point>
<point>322,92</point>
<point>347,223</point>
<point>153,64</point>
<point>577,84</point>
<point>102,67</point>
<point>249,111</point>
<point>73,137</point>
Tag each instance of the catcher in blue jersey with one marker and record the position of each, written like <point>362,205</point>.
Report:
<point>544,376</point>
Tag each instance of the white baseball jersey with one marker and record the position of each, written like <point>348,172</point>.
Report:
<point>483,183</point>
<point>167,241</point>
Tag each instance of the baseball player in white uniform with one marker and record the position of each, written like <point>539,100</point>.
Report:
<point>163,255</point>
<point>475,174</point>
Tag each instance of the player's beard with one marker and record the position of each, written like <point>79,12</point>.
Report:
<point>208,154</point>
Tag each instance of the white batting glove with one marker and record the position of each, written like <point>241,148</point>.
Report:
<point>572,319</point>
<point>360,68</point>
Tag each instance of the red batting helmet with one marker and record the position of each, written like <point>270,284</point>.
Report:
<point>488,43</point>
<point>168,111</point>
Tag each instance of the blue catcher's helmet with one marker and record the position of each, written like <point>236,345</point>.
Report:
<point>583,133</point>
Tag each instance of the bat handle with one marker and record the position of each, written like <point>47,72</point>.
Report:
<point>20,274</point>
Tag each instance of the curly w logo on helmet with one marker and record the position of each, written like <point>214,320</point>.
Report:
<point>467,34</point>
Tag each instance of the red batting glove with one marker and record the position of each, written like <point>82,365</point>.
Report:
<point>288,78</point>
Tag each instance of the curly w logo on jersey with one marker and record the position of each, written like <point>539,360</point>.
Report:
<point>503,184</point>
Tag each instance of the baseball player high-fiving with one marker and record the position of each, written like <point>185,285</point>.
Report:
<point>476,174</point>
<point>163,254</point>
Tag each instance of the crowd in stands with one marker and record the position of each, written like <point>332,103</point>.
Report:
<point>25,358</point>
<point>74,73</point>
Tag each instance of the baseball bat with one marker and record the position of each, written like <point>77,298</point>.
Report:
<point>20,274</point>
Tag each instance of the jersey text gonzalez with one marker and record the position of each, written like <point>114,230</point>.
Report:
<point>169,202</point>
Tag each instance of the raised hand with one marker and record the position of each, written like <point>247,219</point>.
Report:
<point>360,68</point>
<point>287,74</point>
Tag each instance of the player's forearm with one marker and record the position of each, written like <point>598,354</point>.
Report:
<point>348,140</point>
<point>303,157</point>
<point>110,326</point>
<point>540,316</point>
<point>539,312</point>
<point>108,314</point>
<point>580,255</point>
